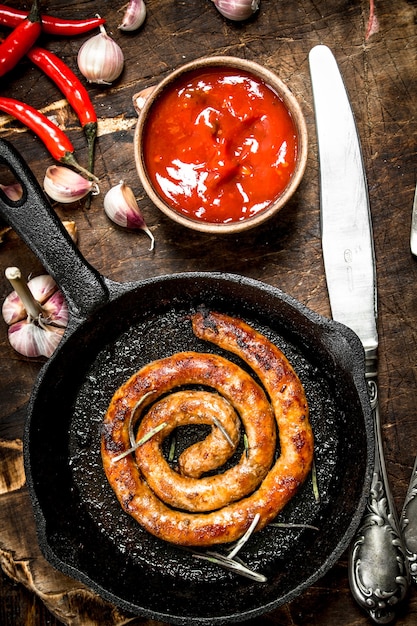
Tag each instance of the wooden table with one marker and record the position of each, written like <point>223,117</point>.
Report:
<point>380,74</point>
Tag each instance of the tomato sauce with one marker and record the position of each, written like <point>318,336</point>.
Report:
<point>219,145</point>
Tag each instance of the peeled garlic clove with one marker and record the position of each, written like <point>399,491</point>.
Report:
<point>13,191</point>
<point>100,59</point>
<point>134,15</point>
<point>65,185</point>
<point>121,207</point>
<point>31,340</point>
<point>237,10</point>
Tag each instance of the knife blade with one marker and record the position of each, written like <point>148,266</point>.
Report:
<point>378,568</point>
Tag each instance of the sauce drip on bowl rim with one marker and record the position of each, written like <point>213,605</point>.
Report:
<point>219,145</point>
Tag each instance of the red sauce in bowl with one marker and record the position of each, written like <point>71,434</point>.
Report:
<point>219,145</point>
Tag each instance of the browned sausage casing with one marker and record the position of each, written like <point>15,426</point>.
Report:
<point>180,506</point>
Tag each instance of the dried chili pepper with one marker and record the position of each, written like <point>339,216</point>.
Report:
<point>55,140</point>
<point>73,90</point>
<point>51,25</point>
<point>20,40</point>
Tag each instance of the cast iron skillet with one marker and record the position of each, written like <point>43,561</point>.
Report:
<point>116,328</point>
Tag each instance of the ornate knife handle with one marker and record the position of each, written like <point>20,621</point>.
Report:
<point>378,567</point>
<point>409,523</point>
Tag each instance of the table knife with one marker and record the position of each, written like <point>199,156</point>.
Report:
<point>378,568</point>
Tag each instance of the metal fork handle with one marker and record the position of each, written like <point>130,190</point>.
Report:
<point>409,523</point>
<point>378,566</point>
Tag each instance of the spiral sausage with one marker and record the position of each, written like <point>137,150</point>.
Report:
<point>179,506</point>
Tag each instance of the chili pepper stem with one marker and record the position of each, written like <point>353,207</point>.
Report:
<point>90,131</point>
<point>34,15</point>
<point>69,159</point>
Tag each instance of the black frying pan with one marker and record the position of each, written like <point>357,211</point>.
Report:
<point>116,328</point>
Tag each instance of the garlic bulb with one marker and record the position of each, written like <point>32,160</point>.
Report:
<point>36,313</point>
<point>100,59</point>
<point>237,10</point>
<point>121,207</point>
<point>65,185</point>
<point>134,15</point>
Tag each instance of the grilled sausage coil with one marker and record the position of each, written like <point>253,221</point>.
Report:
<point>183,506</point>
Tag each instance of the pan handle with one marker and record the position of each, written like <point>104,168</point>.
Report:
<point>34,220</point>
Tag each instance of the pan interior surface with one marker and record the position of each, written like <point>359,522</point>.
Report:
<point>82,529</point>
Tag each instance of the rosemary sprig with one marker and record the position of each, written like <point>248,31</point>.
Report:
<point>234,565</point>
<point>141,441</point>
<point>229,561</point>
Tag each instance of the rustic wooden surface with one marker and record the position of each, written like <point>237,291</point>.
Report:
<point>380,74</point>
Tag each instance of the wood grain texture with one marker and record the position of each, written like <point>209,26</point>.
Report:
<point>380,76</point>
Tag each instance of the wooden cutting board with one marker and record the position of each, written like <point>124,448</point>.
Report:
<point>380,74</point>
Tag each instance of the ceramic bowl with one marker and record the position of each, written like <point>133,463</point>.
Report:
<point>145,103</point>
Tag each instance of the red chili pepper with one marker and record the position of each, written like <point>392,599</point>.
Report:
<point>51,25</point>
<point>73,90</point>
<point>55,140</point>
<point>20,40</point>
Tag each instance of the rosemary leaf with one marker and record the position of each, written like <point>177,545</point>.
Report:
<point>224,432</point>
<point>241,542</point>
<point>290,525</point>
<point>315,483</point>
<point>172,447</point>
<point>132,413</point>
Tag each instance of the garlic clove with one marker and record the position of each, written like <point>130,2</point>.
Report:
<point>100,59</point>
<point>42,287</point>
<point>64,185</point>
<point>12,309</point>
<point>134,15</point>
<point>13,192</point>
<point>32,341</point>
<point>56,310</point>
<point>237,10</point>
<point>121,207</point>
